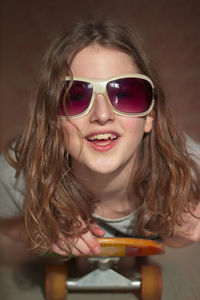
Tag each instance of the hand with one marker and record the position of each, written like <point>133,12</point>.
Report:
<point>188,232</point>
<point>87,244</point>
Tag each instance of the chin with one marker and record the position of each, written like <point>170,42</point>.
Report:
<point>104,170</point>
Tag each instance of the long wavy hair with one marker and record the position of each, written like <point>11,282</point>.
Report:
<point>54,200</point>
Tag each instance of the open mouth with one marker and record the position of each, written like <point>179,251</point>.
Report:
<point>103,138</point>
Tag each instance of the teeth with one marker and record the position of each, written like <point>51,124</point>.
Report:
<point>103,136</point>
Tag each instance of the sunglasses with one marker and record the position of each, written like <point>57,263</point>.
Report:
<point>128,95</point>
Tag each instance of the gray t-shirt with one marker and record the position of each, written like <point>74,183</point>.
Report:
<point>12,192</point>
<point>125,226</point>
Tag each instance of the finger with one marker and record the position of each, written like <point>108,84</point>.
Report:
<point>56,249</point>
<point>81,247</point>
<point>91,242</point>
<point>96,229</point>
<point>78,247</point>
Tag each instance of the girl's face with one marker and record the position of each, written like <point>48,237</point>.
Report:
<point>99,153</point>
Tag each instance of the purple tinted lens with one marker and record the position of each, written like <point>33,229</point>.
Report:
<point>130,95</point>
<point>76,99</point>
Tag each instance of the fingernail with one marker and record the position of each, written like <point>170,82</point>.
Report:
<point>97,250</point>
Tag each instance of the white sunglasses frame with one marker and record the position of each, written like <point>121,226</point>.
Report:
<point>99,87</point>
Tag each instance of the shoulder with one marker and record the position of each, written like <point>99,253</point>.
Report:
<point>12,189</point>
<point>7,172</point>
<point>193,148</point>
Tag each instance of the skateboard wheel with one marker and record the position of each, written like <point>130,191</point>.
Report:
<point>151,288</point>
<point>55,282</point>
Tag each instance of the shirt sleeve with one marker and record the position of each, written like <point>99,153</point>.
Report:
<point>12,191</point>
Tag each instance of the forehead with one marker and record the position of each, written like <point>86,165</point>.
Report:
<point>96,61</point>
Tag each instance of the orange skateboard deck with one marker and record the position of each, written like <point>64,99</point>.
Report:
<point>129,247</point>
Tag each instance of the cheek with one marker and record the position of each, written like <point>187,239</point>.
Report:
<point>135,133</point>
<point>135,126</point>
<point>71,133</point>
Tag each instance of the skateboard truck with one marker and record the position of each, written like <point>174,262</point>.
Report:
<point>104,277</point>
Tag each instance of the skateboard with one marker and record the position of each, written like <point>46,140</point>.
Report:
<point>103,273</point>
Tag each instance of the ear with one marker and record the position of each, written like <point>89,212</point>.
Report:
<point>149,122</point>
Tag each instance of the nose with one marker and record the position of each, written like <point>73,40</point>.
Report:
<point>101,111</point>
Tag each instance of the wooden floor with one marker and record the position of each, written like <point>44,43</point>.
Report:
<point>180,268</point>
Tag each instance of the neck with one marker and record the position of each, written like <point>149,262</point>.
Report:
<point>111,190</point>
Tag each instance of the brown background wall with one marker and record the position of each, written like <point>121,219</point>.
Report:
<point>170,28</point>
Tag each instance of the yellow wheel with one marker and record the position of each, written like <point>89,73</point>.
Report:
<point>151,288</point>
<point>55,282</point>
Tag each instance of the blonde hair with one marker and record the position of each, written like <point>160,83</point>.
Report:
<point>54,199</point>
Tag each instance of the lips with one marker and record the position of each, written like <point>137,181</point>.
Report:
<point>102,141</point>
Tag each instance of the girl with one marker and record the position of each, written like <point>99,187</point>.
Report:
<point>100,154</point>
